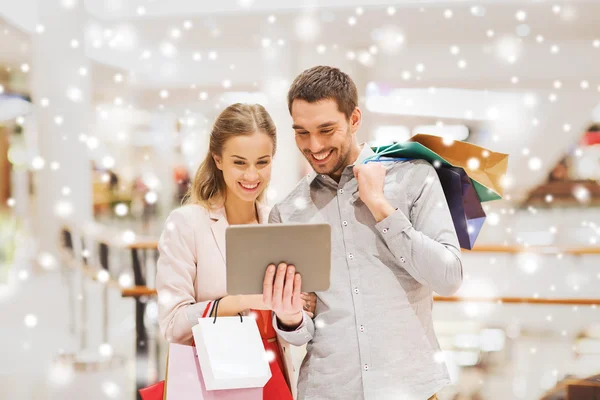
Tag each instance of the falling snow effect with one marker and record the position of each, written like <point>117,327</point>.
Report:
<point>540,107</point>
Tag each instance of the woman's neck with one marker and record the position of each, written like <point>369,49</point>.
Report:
<point>240,212</point>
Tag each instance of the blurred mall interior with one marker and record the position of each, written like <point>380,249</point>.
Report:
<point>105,111</point>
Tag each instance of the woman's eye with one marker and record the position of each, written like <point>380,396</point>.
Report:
<point>238,162</point>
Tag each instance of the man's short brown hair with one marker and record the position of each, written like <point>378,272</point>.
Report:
<point>322,82</point>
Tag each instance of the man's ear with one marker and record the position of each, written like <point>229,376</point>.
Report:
<point>355,119</point>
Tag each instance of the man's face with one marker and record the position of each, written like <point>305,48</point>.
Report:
<point>324,135</point>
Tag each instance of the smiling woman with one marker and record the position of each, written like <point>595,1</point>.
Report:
<point>237,166</point>
<point>191,269</point>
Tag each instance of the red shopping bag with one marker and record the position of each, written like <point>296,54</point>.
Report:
<point>154,392</point>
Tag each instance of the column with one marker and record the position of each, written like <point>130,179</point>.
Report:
<point>275,81</point>
<point>60,86</point>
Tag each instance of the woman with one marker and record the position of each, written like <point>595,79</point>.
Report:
<point>228,189</point>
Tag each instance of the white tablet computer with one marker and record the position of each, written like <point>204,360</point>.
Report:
<point>251,248</point>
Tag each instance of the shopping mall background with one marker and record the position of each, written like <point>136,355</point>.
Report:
<point>105,110</point>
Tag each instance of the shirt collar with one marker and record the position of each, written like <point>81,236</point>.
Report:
<point>365,153</point>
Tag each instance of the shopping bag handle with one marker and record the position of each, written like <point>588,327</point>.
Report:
<point>377,158</point>
<point>217,312</point>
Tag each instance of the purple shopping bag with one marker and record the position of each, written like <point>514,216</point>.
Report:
<point>184,379</point>
<point>464,204</point>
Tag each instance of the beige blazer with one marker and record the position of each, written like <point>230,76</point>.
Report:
<point>191,273</point>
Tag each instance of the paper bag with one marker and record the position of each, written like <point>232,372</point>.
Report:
<point>467,214</point>
<point>486,177</point>
<point>492,165</point>
<point>184,380</point>
<point>231,353</point>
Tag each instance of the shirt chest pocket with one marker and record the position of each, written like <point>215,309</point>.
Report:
<point>396,194</point>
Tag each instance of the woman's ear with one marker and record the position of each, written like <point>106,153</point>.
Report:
<point>218,161</point>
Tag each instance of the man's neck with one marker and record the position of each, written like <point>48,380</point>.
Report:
<point>352,157</point>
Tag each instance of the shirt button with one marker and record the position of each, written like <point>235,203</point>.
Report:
<point>350,256</point>
<point>402,259</point>
<point>366,367</point>
<point>341,191</point>
<point>384,230</point>
<point>356,290</point>
<point>345,223</point>
<point>362,328</point>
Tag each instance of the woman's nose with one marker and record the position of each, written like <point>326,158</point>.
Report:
<point>251,174</point>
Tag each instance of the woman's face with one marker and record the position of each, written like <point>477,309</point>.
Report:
<point>246,165</point>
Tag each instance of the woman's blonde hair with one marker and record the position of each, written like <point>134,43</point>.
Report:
<point>208,187</point>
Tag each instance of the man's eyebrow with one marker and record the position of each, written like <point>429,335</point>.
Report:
<point>326,124</point>
<point>323,125</point>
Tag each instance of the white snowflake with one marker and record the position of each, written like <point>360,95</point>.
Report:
<point>102,276</point>
<point>125,280</point>
<point>307,28</point>
<point>61,374</point>
<point>582,194</point>
<point>300,203</point>
<point>105,350</point>
<point>493,219</point>
<point>270,356</point>
<point>473,163</point>
<point>535,163</point>
<point>47,261</point>
<point>111,390</point>
<point>165,298</point>
<point>63,208</point>
<point>128,236</point>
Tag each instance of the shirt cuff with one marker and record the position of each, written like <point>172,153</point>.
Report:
<point>277,326</point>
<point>297,337</point>
<point>393,225</point>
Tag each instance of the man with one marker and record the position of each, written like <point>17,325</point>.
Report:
<point>393,244</point>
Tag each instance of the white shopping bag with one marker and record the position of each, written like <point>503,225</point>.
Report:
<point>231,353</point>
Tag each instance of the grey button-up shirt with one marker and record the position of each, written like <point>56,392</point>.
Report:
<point>372,337</point>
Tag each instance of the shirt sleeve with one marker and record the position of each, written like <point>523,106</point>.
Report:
<point>428,246</point>
<point>275,216</point>
<point>301,335</point>
<point>176,271</point>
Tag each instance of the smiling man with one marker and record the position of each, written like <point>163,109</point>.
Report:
<point>393,244</point>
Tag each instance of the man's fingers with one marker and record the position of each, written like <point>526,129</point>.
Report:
<point>288,289</point>
<point>268,284</point>
<point>278,285</point>
<point>297,302</point>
